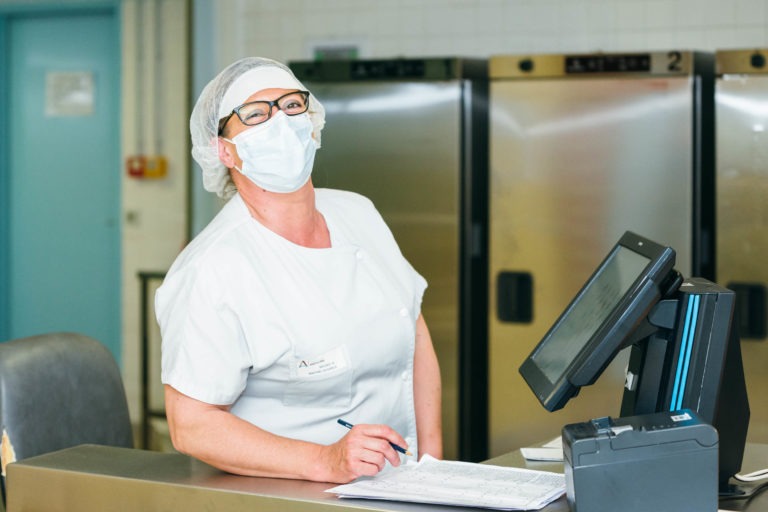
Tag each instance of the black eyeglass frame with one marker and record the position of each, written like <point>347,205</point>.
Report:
<point>272,104</point>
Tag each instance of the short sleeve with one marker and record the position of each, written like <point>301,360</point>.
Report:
<point>204,352</point>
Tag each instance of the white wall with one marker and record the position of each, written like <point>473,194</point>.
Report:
<point>288,29</point>
<point>155,117</point>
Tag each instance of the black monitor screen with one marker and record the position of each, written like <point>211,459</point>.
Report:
<point>599,298</point>
<point>598,320</point>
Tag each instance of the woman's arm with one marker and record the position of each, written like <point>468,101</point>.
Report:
<point>427,392</point>
<point>219,438</point>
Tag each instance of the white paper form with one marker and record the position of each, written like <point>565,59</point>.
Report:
<point>460,483</point>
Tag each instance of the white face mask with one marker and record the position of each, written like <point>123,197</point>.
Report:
<point>278,154</point>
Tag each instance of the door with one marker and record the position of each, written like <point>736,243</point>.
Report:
<point>574,164</point>
<point>61,203</point>
<point>742,214</point>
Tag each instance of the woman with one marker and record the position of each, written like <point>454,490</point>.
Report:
<point>294,307</point>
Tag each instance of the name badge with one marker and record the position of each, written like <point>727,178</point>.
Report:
<point>329,362</point>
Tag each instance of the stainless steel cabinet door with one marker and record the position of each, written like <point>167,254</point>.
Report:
<point>574,164</point>
<point>742,216</point>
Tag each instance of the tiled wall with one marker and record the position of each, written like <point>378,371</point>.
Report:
<point>289,29</point>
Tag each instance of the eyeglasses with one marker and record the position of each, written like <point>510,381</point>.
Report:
<point>257,112</point>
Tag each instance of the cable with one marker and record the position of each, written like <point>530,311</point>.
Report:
<point>755,476</point>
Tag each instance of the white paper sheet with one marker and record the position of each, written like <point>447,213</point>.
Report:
<point>551,451</point>
<point>460,483</point>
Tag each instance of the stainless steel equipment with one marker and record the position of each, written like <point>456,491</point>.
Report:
<point>582,149</point>
<point>412,136</point>
<point>741,99</point>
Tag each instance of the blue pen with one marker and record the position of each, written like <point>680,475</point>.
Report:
<point>396,447</point>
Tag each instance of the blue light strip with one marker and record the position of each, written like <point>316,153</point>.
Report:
<point>684,358</point>
<point>691,334</point>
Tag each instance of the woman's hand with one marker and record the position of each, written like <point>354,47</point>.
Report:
<point>364,451</point>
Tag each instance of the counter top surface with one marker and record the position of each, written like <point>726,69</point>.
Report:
<point>137,479</point>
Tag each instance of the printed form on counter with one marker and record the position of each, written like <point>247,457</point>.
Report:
<point>459,484</point>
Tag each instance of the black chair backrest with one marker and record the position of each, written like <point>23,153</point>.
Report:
<point>57,391</point>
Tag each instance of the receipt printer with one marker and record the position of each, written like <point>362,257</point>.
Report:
<point>656,462</point>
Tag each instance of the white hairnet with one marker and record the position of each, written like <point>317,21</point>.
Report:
<point>226,91</point>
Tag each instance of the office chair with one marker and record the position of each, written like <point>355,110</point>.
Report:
<point>59,390</point>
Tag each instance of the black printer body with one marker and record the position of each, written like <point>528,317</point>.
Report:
<point>666,461</point>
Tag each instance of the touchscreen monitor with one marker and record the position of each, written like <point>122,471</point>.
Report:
<point>595,325</point>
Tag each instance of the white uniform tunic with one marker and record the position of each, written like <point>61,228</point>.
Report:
<point>295,338</point>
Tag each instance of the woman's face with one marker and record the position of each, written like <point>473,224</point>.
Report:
<point>234,126</point>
